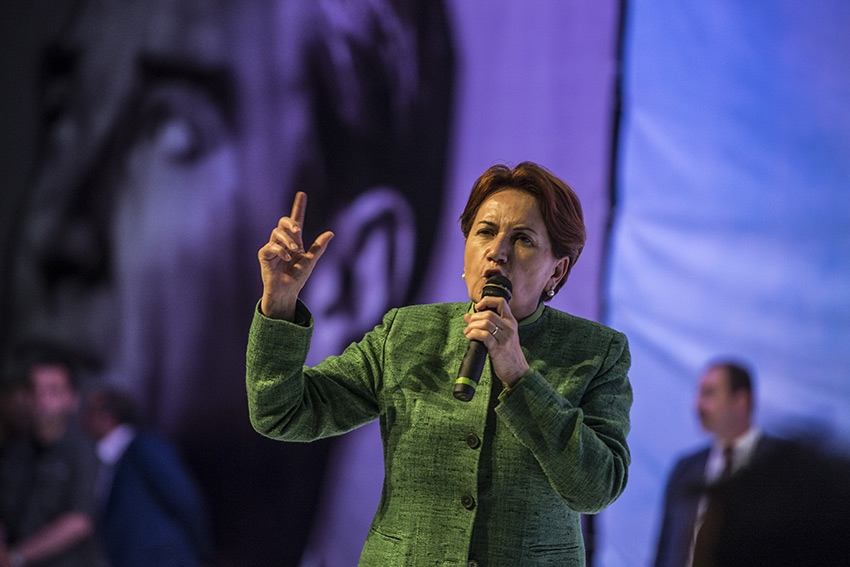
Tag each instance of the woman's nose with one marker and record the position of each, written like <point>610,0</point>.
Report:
<point>65,240</point>
<point>499,250</point>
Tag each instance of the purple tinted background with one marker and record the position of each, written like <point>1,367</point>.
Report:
<point>534,84</point>
<point>531,85</point>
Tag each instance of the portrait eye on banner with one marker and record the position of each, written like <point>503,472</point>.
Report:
<point>154,145</point>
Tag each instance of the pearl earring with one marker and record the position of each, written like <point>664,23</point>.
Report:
<point>463,276</point>
<point>551,293</point>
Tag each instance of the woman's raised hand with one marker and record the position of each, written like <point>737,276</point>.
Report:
<point>284,263</point>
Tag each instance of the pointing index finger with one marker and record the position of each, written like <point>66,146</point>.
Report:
<point>299,207</point>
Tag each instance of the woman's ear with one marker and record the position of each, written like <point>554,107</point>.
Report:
<point>559,273</point>
<point>365,271</point>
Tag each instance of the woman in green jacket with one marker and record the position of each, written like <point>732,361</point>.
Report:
<point>500,479</point>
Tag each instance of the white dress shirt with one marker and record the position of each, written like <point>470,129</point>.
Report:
<point>742,453</point>
<point>109,451</point>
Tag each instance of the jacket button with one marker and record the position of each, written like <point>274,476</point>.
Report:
<point>467,501</point>
<point>473,441</point>
<point>472,563</point>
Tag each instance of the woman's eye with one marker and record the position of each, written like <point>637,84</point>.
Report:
<point>181,123</point>
<point>176,137</point>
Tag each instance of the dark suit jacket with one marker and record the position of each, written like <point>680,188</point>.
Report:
<point>685,485</point>
<point>791,508</point>
<point>154,515</point>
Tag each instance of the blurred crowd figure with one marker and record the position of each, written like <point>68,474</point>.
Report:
<point>173,133</point>
<point>151,510</point>
<point>47,475</point>
<point>117,497</point>
<point>742,499</point>
<point>724,404</point>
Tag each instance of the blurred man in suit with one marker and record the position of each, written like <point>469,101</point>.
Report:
<point>152,512</point>
<point>724,403</point>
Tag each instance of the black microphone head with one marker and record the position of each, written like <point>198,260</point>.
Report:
<point>497,286</point>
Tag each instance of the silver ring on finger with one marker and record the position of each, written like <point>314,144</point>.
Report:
<point>496,330</point>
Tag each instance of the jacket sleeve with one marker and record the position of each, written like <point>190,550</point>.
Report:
<point>172,486</point>
<point>581,447</point>
<point>292,402</point>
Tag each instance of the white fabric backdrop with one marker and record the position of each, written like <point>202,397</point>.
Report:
<point>732,235</point>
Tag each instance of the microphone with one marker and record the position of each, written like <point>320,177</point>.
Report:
<point>476,353</point>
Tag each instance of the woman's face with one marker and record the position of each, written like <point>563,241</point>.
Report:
<point>132,258</point>
<point>509,237</point>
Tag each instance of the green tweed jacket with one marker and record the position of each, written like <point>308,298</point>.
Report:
<point>499,480</point>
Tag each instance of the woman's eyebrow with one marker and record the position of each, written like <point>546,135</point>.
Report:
<point>217,82</point>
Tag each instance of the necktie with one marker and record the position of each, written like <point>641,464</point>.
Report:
<point>728,462</point>
<point>706,535</point>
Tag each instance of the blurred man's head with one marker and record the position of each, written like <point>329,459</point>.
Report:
<point>105,408</point>
<point>55,399</point>
<point>175,134</point>
<point>725,400</point>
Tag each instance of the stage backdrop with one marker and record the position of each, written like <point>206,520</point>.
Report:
<point>732,232</point>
